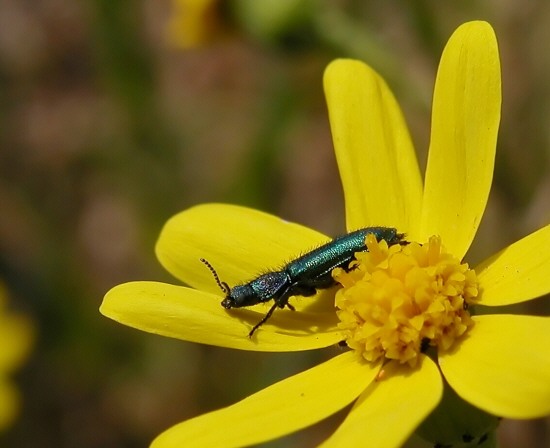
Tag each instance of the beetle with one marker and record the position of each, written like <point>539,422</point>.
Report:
<point>303,276</point>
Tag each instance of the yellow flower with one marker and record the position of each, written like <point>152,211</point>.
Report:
<point>404,309</point>
<point>16,335</point>
<point>194,23</point>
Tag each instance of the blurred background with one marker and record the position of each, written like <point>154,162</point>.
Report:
<point>115,115</point>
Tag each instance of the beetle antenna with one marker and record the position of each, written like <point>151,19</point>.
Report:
<point>223,286</point>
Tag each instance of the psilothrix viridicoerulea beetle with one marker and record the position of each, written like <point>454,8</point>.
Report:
<point>304,275</point>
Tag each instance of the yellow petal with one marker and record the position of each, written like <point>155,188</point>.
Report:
<point>239,242</point>
<point>16,337</point>
<point>378,167</point>
<point>196,316</point>
<point>503,366</point>
<point>280,409</point>
<point>9,403</point>
<point>465,120</point>
<point>518,273</point>
<point>390,410</point>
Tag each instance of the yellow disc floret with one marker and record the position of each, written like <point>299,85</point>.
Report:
<point>396,301</point>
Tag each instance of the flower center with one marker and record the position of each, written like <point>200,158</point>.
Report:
<point>397,301</point>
